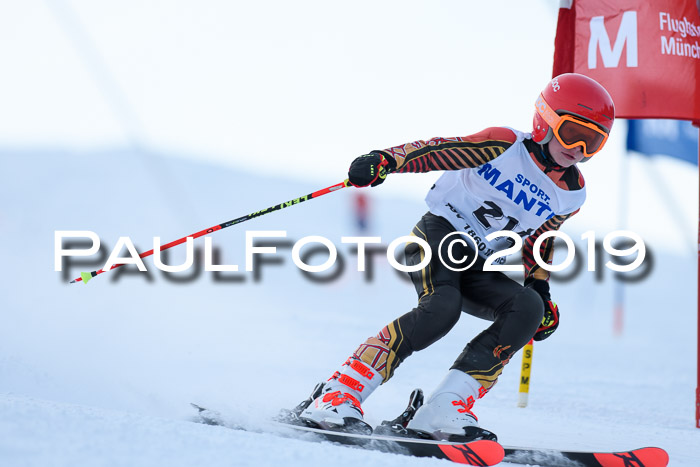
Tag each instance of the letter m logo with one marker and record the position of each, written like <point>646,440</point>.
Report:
<point>627,34</point>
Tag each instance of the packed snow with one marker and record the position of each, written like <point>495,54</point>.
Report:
<point>104,373</point>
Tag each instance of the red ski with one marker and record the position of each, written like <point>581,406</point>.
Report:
<point>480,453</point>
<point>642,457</point>
<point>478,448</point>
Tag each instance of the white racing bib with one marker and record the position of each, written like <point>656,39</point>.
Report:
<point>508,193</point>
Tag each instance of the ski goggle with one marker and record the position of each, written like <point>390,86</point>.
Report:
<point>572,131</point>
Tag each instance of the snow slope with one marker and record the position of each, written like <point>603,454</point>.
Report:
<point>102,374</point>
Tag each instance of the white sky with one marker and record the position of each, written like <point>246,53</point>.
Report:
<point>295,87</point>
<point>292,88</point>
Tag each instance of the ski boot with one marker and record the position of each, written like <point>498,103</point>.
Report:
<point>337,404</point>
<point>446,416</point>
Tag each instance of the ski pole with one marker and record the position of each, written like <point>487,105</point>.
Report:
<point>525,374</point>
<point>86,276</point>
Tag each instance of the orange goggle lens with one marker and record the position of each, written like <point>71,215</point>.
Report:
<point>571,131</point>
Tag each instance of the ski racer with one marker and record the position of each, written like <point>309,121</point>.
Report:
<point>498,179</point>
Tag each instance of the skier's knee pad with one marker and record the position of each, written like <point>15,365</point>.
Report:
<point>444,304</point>
<point>435,315</point>
<point>529,307</point>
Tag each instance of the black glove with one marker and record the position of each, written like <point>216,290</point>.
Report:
<point>370,170</point>
<point>550,320</point>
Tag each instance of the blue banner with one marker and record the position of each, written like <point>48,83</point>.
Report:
<point>674,138</point>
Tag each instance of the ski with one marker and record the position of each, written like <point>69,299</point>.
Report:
<point>476,453</point>
<point>478,446</point>
<point>642,457</point>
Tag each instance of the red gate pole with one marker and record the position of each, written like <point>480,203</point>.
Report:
<point>697,387</point>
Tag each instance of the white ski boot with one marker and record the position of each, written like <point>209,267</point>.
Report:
<point>448,411</point>
<point>339,407</point>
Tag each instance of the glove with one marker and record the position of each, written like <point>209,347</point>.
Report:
<point>369,170</point>
<point>550,320</point>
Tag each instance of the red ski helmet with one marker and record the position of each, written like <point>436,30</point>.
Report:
<point>575,109</point>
